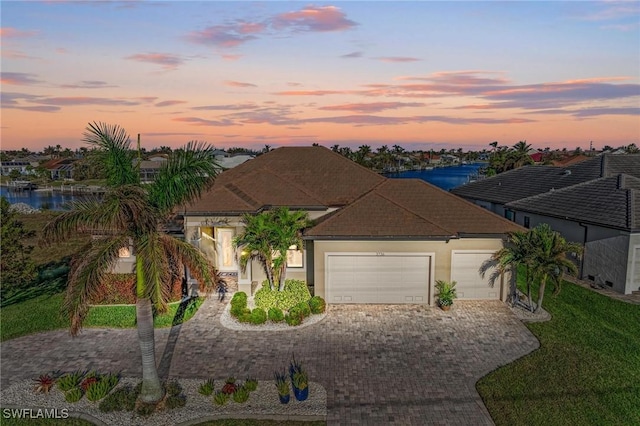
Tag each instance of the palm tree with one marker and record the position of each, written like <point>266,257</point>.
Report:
<point>267,236</point>
<point>131,215</point>
<point>549,260</point>
<point>516,252</point>
<point>520,154</point>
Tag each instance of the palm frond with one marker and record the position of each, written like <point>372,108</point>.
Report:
<point>87,274</point>
<point>199,266</point>
<point>113,145</point>
<point>188,172</point>
<point>157,275</point>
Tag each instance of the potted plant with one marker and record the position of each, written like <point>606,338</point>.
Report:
<point>299,380</point>
<point>446,294</point>
<point>283,387</point>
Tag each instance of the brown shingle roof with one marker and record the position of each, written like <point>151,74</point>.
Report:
<point>291,176</point>
<point>410,208</point>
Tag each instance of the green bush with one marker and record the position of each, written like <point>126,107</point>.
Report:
<point>295,291</point>
<point>176,401</point>
<point>304,309</point>
<point>73,395</point>
<point>123,398</point>
<point>206,388</point>
<point>241,395</point>
<point>99,389</point>
<point>69,381</point>
<point>258,316</point>
<point>292,320</point>
<point>276,314</point>
<point>220,398</point>
<point>317,305</point>
<point>239,304</point>
<point>245,315</point>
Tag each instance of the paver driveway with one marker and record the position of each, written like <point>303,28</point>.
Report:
<point>380,364</point>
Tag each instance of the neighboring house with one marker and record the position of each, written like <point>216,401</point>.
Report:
<point>375,240</point>
<point>60,168</point>
<point>567,161</point>
<point>23,167</point>
<point>149,168</point>
<point>595,202</point>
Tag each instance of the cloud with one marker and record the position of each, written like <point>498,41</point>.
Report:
<point>372,107</point>
<point>233,107</point>
<point>19,78</point>
<point>310,92</point>
<point>196,121</point>
<point>15,100</point>
<point>231,57</point>
<point>591,112</point>
<point>10,32</point>
<point>231,83</point>
<point>170,103</point>
<point>375,120</point>
<point>397,59</point>
<point>88,84</point>
<point>352,55</point>
<point>167,60</point>
<point>312,18</point>
<point>308,19</point>
<point>226,36</point>
<point>85,100</point>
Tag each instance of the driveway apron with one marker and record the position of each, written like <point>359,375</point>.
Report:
<point>380,364</point>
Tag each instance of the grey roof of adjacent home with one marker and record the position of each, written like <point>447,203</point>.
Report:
<point>609,201</point>
<point>529,181</point>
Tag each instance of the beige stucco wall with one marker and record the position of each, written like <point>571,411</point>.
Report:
<point>441,258</point>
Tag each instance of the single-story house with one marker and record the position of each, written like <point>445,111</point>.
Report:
<point>595,203</point>
<point>374,239</point>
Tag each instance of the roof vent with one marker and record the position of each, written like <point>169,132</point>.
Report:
<point>566,172</point>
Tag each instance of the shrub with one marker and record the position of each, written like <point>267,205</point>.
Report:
<point>239,297</point>
<point>304,309</point>
<point>69,381</point>
<point>295,291</point>
<point>44,383</point>
<point>276,314</point>
<point>98,389</point>
<point>258,316</point>
<point>229,386</point>
<point>238,304</point>
<point>317,305</point>
<point>206,388</point>
<point>220,398</point>
<point>173,388</point>
<point>293,320</point>
<point>123,398</point>
<point>241,395</point>
<point>73,395</point>
<point>245,316</point>
<point>251,384</point>
<point>176,401</point>
<point>145,409</point>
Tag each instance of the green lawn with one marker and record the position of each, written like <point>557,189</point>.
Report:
<point>222,422</point>
<point>586,372</point>
<point>43,313</point>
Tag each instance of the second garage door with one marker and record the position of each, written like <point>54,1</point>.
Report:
<point>465,271</point>
<point>378,278</point>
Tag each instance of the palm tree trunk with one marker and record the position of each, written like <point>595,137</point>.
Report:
<point>151,389</point>
<point>543,283</point>
<point>528,280</point>
<point>283,274</point>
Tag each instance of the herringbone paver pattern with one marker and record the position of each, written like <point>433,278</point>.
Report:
<point>380,364</point>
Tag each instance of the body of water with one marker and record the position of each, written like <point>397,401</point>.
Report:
<point>443,177</point>
<point>38,199</point>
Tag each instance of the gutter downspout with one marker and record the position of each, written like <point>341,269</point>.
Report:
<point>584,249</point>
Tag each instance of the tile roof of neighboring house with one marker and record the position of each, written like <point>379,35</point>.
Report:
<point>58,163</point>
<point>528,181</point>
<point>567,161</point>
<point>309,177</point>
<point>409,208</point>
<point>609,201</point>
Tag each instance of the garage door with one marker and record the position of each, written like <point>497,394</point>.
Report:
<point>465,270</point>
<point>378,278</point>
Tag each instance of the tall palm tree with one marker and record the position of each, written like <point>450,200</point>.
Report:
<point>520,154</point>
<point>549,259</point>
<point>267,236</point>
<point>132,215</point>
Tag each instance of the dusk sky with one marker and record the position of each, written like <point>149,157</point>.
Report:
<point>423,75</point>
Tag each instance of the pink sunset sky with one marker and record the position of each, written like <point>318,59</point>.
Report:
<point>423,75</point>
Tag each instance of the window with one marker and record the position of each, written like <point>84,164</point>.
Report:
<point>527,222</point>
<point>509,214</point>
<point>295,259</point>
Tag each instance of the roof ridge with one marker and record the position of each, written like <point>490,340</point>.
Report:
<point>410,210</point>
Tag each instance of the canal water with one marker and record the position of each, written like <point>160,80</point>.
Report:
<point>38,199</point>
<point>445,178</point>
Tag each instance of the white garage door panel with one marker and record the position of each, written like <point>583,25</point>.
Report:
<point>365,278</point>
<point>465,271</point>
